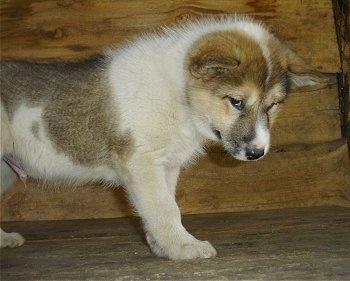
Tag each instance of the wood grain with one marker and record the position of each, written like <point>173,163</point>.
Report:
<point>298,244</point>
<point>73,30</point>
<point>309,116</point>
<point>293,176</point>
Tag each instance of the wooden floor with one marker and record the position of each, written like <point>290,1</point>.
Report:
<point>294,244</point>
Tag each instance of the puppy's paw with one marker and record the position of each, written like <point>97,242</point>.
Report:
<point>197,249</point>
<point>11,240</point>
<point>182,250</point>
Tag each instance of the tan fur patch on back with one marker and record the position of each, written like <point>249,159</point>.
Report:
<point>77,112</point>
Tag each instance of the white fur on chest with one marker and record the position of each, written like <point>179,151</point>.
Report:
<point>148,80</point>
<point>186,146</point>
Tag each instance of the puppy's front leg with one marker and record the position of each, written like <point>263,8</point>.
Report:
<point>155,202</point>
<point>172,176</point>
<point>11,240</point>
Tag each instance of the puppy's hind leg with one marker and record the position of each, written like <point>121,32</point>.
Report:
<point>8,178</point>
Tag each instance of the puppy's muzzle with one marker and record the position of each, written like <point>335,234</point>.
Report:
<point>254,153</point>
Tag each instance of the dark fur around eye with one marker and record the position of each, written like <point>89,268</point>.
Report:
<point>271,106</point>
<point>286,84</point>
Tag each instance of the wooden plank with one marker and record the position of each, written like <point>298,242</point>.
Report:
<point>294,244</point>
<point>291,176</point>
<point>310,116</point>
<point>73,30</point>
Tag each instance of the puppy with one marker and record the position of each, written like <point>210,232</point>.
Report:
<point>137,116</point>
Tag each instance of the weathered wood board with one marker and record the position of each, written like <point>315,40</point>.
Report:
<point>298,244</point>
<point>70,30</point>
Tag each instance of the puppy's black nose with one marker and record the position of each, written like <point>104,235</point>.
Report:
<point>253,154</point>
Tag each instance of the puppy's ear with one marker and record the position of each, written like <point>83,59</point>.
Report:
<point>207,68</point>
<point>300,74</point>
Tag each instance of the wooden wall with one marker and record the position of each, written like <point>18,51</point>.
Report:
<point>309,161</point>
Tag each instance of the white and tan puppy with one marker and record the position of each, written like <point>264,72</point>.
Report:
<point>137,116</point>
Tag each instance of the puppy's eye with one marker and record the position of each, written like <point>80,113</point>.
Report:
<point>238,104</point>
<point>271,106</point>
<point>220,70</point>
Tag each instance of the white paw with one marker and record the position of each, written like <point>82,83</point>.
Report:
<point>11,240</point>
<point>183,250</point>
<point>197,249</point>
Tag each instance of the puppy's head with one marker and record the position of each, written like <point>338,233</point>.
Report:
<point>237,85</point>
